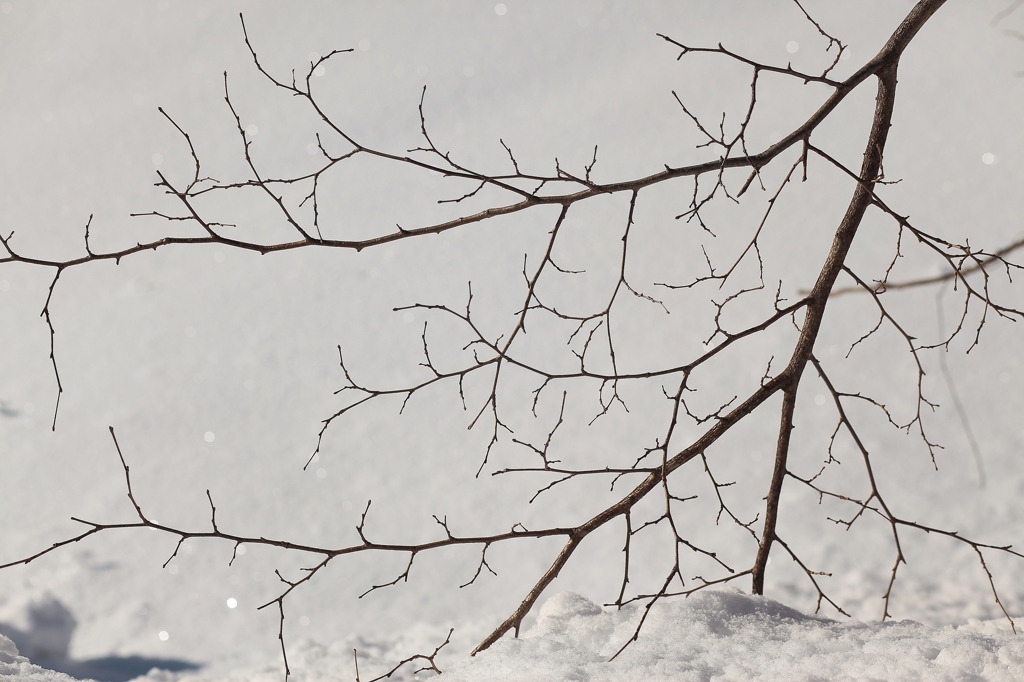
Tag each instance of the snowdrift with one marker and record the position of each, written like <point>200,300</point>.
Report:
<point>713,635</point>
<point>727,635</point>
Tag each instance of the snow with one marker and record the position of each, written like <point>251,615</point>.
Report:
<point>721,634</point>
<point>716,634</point>
<point>19,669</point>
<point>216,367</point>
<point>47,631</point>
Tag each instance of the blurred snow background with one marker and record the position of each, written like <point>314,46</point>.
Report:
<point>216,367</point>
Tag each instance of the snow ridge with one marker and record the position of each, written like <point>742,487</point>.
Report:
<point>728,635</point>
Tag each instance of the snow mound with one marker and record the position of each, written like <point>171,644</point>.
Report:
<point>14,666</point>
<point>42,628</point>
<point>8,652</point>
<point>713,635</point>
<point>728,635</point>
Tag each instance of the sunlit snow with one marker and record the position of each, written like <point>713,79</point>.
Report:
<point>547,80</point>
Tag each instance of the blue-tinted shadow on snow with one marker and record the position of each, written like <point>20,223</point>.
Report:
<point>46,641</point>
<point>115,668</point>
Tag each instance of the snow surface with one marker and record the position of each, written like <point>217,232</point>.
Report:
<point>727,635</point>
<point>171,346</point>
<point>48,629</point>
<point>17,667</point>
<point>717,634</point>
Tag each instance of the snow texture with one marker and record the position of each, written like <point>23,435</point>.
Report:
<point>718,634</point>
<point>14,666</point>
<point>727,635</point>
